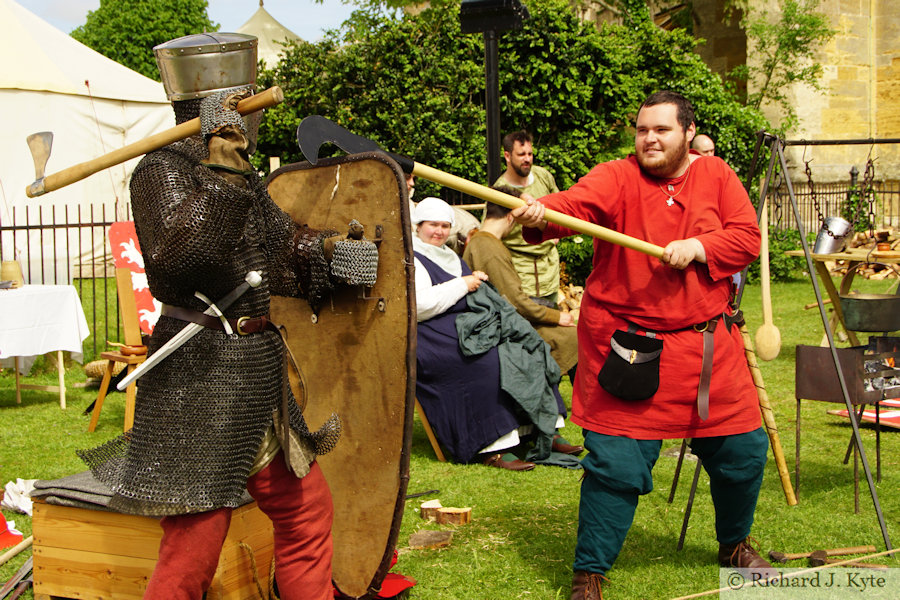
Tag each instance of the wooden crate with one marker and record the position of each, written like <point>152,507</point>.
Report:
<point>82,553</point>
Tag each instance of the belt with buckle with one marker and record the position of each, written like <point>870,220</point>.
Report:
<point>708,328</point>
<point>241,325</point>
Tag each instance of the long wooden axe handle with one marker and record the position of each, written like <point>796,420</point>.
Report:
<point>316,130</point>
<point>491,195</point>
<point>768,417</point>
<point>266,99</point>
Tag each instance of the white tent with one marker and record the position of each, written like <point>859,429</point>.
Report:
<point>93,105</point>
<point>270,33</point>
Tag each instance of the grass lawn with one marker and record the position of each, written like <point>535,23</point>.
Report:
<point>521,540</point>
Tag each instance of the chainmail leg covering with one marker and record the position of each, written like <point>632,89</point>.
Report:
<point>202,413</point>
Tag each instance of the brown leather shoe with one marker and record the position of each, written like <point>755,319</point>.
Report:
<point>560,445</point>
<point>496,460</point>
<point>586,586</point>
<point>743,556</point>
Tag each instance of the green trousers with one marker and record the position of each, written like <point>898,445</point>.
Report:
<point>618,470</point>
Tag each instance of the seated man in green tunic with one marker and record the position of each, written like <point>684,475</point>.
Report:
<point>485,252</point>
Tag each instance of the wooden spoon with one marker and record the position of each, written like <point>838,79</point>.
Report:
<point>768,338</point>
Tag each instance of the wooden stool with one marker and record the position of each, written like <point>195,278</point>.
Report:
<point>132,354</point>
<point>131,361</point>
<point>430,432</point>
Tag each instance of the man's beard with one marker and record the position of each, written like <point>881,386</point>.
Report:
<point>666,165</point>
<point>522,170</point>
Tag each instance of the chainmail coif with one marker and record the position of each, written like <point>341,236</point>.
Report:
<point>202,413</point>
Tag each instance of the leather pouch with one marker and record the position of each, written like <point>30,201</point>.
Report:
<point>631,371</point>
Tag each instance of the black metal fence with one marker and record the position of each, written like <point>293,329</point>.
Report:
<point>62,245</point>
<point>848,200</point>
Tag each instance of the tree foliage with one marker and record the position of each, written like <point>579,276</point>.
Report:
<point>415,85</point>
<point>785,50</point>
<point>127,30</point>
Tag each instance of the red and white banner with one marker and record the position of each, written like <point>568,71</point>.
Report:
<point>127,254</point>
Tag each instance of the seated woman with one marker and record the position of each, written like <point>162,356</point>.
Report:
<point>480,387</point>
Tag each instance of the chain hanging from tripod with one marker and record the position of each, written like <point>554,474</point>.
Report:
<point>854,208</point>
<point>823,224</point>
<point>776,206</point>
<point>861,200</point>
<point>868,190</point>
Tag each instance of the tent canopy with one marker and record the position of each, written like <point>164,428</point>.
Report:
<point>51,61</point>
<point>269,32</point>
<point>92,105</point>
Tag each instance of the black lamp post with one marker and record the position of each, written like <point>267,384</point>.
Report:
<point>490,17</point>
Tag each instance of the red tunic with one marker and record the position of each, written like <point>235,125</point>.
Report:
<point>711,205</point>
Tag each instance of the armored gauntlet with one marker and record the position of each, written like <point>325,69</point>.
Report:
<point>354,259</point>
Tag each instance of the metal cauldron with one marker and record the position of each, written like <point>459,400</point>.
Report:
<point>872,312</point>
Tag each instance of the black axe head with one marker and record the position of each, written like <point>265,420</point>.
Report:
<point>316,130</point>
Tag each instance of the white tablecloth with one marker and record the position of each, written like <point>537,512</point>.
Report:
<point>36,319</point>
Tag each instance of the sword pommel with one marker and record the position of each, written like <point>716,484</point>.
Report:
<point>253,278</point>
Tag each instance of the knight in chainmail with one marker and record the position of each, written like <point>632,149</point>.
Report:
<point>216,418</point>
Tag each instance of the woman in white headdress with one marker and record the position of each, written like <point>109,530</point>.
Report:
<point>472,416</point>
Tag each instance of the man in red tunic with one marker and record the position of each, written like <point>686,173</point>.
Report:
<point>695,208</point>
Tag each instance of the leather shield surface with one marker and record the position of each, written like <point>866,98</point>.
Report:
<point>357,356</point>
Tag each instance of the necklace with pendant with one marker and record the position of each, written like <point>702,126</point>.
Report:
<point>669,190</point>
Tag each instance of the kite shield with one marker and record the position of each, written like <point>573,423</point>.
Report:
<point>358,356</point>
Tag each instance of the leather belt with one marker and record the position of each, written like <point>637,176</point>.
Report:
<point>708,328</point>
<point>241,325</point>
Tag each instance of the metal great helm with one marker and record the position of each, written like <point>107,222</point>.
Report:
<point>195,66</point>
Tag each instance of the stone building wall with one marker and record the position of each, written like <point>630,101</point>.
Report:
<point>726,43</point>
<point>861,72</point>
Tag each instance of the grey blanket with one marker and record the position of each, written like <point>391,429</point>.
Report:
<point>81,490</point>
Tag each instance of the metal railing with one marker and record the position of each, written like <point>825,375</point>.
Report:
<point>62,245</point>
<point>832,199</point>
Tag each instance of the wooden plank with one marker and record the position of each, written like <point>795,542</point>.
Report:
<point>77,574</point>
<point>96,531</point>
<point>131,325</point>
<point>234,577</point>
